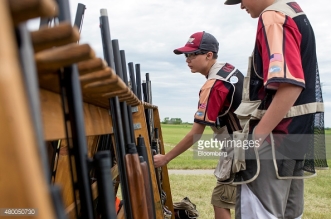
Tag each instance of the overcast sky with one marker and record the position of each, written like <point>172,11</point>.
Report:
<point>150,30</point>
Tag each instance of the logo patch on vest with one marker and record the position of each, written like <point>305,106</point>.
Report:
<point>295,7</point>
<point>274,69</point>
<point>199,113</point>
<point>227,67</point>
<point>225,70</point>
<point>234,80</point>
<point>202,106</point>
<point>276,57</point>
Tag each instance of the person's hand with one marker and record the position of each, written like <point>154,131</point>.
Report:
<point>259,137</point>
<point>160,160</point>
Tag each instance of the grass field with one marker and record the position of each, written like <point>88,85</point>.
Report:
<point>199,187</point>
<point>172,134</point>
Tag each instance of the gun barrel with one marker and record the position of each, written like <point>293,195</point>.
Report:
<point>129,110</point>
<point>106,194</point>
<point>123,105</point>
<point>138,81</point>
<point>79,15</point>
<point>132,79</point>
<point>106,39</point>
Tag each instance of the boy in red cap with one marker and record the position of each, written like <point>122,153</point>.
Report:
<point>218,98</point>
<point>284,96</point>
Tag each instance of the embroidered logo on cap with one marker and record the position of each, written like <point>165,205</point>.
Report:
<point>190,40</point>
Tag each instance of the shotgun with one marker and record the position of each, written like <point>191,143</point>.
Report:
<point>72,100</point>
<point>116,116</point>
<point>29,72</point>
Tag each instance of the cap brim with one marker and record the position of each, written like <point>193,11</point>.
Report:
<point>185,49</point>
<point>232,2</point>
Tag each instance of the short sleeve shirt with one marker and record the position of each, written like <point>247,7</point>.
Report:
<point>279,42</point>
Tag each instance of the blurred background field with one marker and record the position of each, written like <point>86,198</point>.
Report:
<point>199,187</point>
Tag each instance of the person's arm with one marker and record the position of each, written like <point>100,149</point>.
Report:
<point>183,145</point>
<point>282,67</point>
<point>283,100</point>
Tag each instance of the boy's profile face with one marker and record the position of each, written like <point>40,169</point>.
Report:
<point>198,63</point>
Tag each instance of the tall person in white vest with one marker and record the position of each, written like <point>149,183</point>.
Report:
<point>284,86</point>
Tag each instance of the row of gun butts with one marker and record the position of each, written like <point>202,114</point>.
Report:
<point>72,129</point>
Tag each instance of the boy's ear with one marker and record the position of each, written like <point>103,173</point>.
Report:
<point>209,55</point>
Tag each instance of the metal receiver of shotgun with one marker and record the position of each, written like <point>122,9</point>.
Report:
<point>156,148</point>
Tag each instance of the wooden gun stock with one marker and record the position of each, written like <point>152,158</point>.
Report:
<point>148,189</point>
<point>136,183</point>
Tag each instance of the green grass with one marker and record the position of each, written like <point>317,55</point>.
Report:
<point>172,134</point>
<point>199,187</point>
<point>328,144</point>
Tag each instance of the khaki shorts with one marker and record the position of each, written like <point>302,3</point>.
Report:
<point>224,196</point>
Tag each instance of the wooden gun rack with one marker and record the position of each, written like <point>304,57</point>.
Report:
<point>23,182</point>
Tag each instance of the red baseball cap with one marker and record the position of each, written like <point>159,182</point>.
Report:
<point>199,41</point>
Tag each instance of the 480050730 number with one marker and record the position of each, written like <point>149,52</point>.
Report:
<point>17,211</point>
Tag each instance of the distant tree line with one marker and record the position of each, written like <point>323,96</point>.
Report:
<point>168,120</point>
